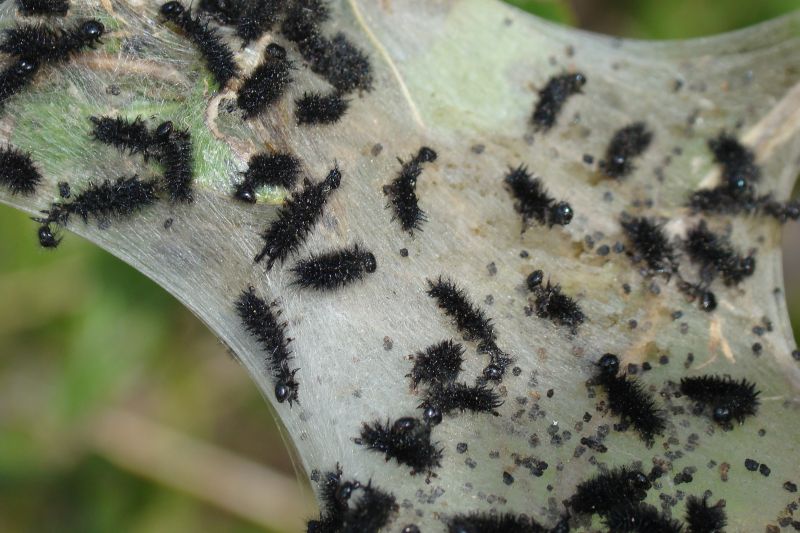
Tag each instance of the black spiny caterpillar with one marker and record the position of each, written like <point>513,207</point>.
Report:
<point>56,8</point>
<point>124,135</point>
<point>715,255</point>
<point>17,171</point>
<point>16,76</point>
<point>640,517</point>
<point>553,304</point>
<point>296,219</point>
<point>627,143</point>
<point>650,244</point>
<point>729,399</point>
<point>533,202</point>
<point>438,364</point>
<point>479,522</point>
<point>334,269</point>
<point>217,55</point>
<point>47,45</point>
<point>407,441</point>
<point>316,108</point>
<point>267,83</point>
<point>402,191</point>
<point>472,322</point>
<point>628,400</point>
<point>278,170</point>
<point>261,321</point>
<point>371,510</point>
<point>340,62</point>
<point>120,198</point>
<point>620,486</point>
<point>703,518</point>
<point>552,98</point>
<point>174,149</point>
<point>442,399</point>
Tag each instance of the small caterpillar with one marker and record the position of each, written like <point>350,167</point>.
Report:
<point>553,304</point>
<point>267,83</point>
<point>600,494</point>
<point>334,269</point>
<point>640,518</point>
<point>715,255</point>
<point>303,19</point>
<point>278,170</point>
<point>437,364</point>
<point>256,18</point>
<point>650,244</point>
<point>627,399</point>
<point>739,169</point>
<point>402,191</point>
<point>479,522</point>
<point>316,108</point>
<point>217,55</point>
<point>17,171</point>
<point>627,143</point>
<point>533,202</point>
<point>123,134</point>
<point>296,219</point>
<point>43,7</point>
<point>175,153</point>
<point>340,62</point>
<point>120,199</point>
<point>703,518</point>
<point>261,321</point>
<point>49,45</point>
<point>442,399</point>
<point>16,76</point>
<point>706,300</point>
<point>371,511</point>
<point>472,322</point>
<point>407,441</point>
<point>552,98</point>
<point>729,399</point>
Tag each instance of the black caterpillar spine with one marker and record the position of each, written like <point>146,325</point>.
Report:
<point>407,441</point>
<point>532,201</point>
<point>552,98</point>
<point>626,144</point>
<point>53,8</point>
<point>17,171</point>
<point>333,270</point>
<point>729,399</point>
<point>278,170</point>
<point>267,83</point>
<point>48,45</point>
<point>316,108</point>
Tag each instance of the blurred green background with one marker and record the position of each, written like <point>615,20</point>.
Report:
<point>87,343</point>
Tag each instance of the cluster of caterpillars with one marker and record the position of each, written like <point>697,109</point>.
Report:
<point>616,495</point>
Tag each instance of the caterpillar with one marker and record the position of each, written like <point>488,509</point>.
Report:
<point>16,76</point>
<point>600,494</point>
<point>303,19</point>
<point>295,220</point>
<point>372,508</point>
<point>261,321</point>
<point>316,108</point>
<point>715,255</point>
<point>478,522</point>
<point>217,55</point>
<point>278,170</point>
<point>552,98</point>
<point>438,364</point>
<point>49,45</point>
<point>640,518</point>
<point>402,191</point>
<point>533,202</point>
<point>339,62</point>
<point>133,137</point>
<point>627,143</point>
<point>442,399</point>
<point>120,198</point>
<point>650,244</point>
<point>43,7</point>
<point>256,18</point>
<point>627,399</point>
<point>17,171</point>
<point>407,441</point>
<point>703,518</point>
<point>729,399</point>
<point>553,304</point>
<point>334,269</point>
<point>267,83</point>
<point>174,148</point>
